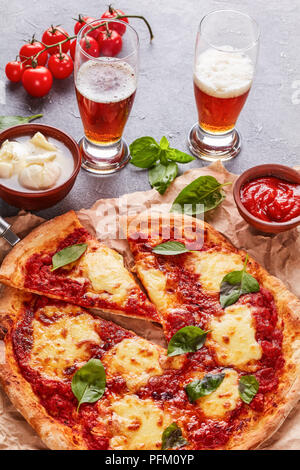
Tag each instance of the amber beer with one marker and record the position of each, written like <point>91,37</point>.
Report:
<point>105,93</point>
<point>222,82</point>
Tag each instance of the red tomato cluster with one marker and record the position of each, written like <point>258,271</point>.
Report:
<point>105,40</point>
<point>39,61</point>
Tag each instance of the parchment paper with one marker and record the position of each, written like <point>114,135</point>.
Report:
<point>279,254</point>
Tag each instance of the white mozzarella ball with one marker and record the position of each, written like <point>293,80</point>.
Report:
<point>6,169</point>
<point>40,176</point>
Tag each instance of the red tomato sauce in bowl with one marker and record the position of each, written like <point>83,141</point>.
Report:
<point>271,199</point>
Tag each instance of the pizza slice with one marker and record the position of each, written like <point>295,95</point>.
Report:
<point>60,259</point>
<point>140,398</point>
<point>46,342</point>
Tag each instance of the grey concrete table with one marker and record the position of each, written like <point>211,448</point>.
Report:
<point>165,104</point>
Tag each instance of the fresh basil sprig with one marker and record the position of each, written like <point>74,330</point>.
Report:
<point>9,121</point>
<point>159,158</point>
<point>187,339</point>
<point>248,388</point>
<point>144,152</point>
<point>201,195</point>
<point>161,176</point>
<point>68,255</point>
<point>201,388</point>
<point>172,437</point>
<point>88,383</point>
<point>235,284</point>
<point>170,248</point>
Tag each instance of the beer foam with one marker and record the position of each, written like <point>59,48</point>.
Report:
<point>223,73</point>
<point>106,81</point>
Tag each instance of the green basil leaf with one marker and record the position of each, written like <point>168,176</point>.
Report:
<point>88,383</point>
<point>187,339</point>
<point>161,176</point>
<point>144,152</point>
<point>235,284</point>
<point>163,158</point>
<point>178,156</point>
<point>172,437</point>
<point>201,388</point>
<point>164,143</point>
<point>230,289</point>
<point>205,190</point>
<point>67,255</point>
<point>9,121</point>
<point>249,284</point>
<point>248,388</point>
<point>160,159</point>
<point>170,248</point>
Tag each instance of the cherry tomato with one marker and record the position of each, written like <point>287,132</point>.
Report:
<point>110,43</point>
<point>37,81</point>
<point>112,13</point>
<point>61,65</point>
<point>31,48</point>
<point>14,71</point>
<point>91,46</point>
<point>73,49</point>
<point>53,35</point>
<point>82,20</point>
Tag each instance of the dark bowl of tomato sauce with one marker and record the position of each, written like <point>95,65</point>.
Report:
<point>268,197</point>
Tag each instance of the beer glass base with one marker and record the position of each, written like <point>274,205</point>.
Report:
<point>212,147</point>
<point>103,159</point>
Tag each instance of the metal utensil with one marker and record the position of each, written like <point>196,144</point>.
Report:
<point>8,234</point>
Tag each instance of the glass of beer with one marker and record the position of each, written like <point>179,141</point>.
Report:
<point>225,59</point>
<point>105,89</point>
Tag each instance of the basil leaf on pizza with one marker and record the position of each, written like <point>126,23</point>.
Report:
<point>68,255</point>
<point>235,284</point>
<point>170,248</point>
<point>248,388</point>
<point>187,339</point>
<point>88,383</point>
<point>201,388</point>
<point>172,437</point>
<point>201,195</point>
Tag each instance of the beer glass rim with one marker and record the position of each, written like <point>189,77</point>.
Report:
<point>110,20</point>
<point>236,50</point>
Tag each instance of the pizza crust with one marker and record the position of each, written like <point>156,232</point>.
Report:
<point>10,271</point>
<point>288,306</point>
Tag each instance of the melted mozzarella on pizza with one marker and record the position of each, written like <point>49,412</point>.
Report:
<point>107,273</point>
<point>136,360</point>
<point>155,282</point>
<point>213,266</point>
<point>138,424</point>
<point>233,337</point>
<point>225,398</point>
<point>63,343</point>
